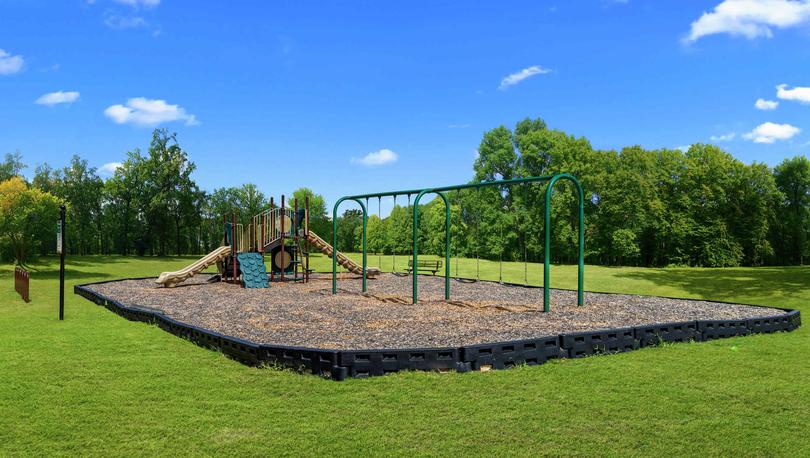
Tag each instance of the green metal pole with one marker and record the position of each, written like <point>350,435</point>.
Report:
<point>365,224</point>
<point>334,244</point>
<point>334,241</point>
<point>415,272</point>
<point>581,263</point>
<point>446,246</point>
<point>546,248</point>
<point>446,242</point>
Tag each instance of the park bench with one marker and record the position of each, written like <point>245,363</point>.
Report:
<point>425,266</point>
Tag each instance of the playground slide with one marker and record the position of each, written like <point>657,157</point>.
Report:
<point>171,279</point>
<point>344,261</point>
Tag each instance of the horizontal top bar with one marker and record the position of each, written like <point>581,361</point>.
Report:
<point>478,184</point>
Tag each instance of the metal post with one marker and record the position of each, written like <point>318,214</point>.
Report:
<point>547,248</point>
<point>295,229</point>
<point>416,245</point>
<point>334,241</point>
<point>282,237</point>
<point>306,238</point>
<point>272,233</point>
<point>62,263</point>
<point>234,245</point>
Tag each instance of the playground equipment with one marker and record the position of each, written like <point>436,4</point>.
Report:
<point>550,181</point>
<point>282,233</point>
<point>172,279</point>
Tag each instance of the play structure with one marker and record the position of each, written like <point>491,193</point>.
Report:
<point>281,233</point>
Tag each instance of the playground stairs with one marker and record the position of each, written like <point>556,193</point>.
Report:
<point>341,258</point>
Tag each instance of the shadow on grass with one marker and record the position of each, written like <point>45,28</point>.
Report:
<point>721,284</point>
<point>70,274</point>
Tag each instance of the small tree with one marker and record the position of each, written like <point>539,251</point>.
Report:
<point>26,216</point>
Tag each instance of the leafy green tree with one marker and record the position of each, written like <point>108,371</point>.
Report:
<point>319,219</point>
<point>11,166</point>
<point>27,216</point>
<point>792,178</point>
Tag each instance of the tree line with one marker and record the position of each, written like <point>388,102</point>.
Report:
<point>663,207</point>
<point>151,205</point>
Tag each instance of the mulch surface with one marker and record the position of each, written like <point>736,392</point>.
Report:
<point>308,315</point>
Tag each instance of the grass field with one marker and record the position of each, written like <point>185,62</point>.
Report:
<point>98,384</point>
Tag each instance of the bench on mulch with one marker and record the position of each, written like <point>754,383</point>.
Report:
<point>425,266</point>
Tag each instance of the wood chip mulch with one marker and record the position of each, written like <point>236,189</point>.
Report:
<point>308,315</point>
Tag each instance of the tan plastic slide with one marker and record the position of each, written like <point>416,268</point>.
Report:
<point>171,279</point>
<point>344,261</point>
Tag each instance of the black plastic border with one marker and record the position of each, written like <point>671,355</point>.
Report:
<point>342,364</point>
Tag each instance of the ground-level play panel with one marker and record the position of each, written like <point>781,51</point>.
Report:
<point>486,326</point>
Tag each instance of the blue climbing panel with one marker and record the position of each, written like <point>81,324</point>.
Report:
<point>254,274</point>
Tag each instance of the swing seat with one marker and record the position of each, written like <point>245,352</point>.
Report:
<point>424,266</point>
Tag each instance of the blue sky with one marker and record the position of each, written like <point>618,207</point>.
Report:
<point>289,94</point>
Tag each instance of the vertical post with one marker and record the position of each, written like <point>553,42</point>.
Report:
<point>365,224</point>
<point>306,238</point>
<point>282,237</point>
<point>61,262</point>
<point>234,246</point>
<point>447,231</point>
<point>334,245</point>
<point>272,234</point>
<point>295,228</point>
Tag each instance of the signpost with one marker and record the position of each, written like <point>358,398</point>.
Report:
<point>60,248</point>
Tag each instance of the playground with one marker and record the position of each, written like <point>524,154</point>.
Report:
<point>370,323</point>
<point>308,315</point>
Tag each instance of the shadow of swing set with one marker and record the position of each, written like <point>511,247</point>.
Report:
<point>551,180</point>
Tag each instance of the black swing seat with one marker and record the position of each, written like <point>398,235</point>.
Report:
<point>424,266</point>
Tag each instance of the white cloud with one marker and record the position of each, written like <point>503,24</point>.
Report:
<point>55,98</point>
<point>148,112</point>
<point>517,77</point>
<point>139,3</point>
<point>381,157</point>
<point>766,105</point>
<point>110,167</point>
<point>684,148</point>
<point>798,93</point>
<point>115,21</point>
<point>770,132</point>
<point>723,137</point>
<point>750,18</point>
<point>9,64</point>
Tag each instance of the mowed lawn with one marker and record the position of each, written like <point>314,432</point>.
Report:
<point>98,384</point>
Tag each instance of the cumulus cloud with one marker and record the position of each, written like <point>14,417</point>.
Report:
<point>115,21</point>
<point>139,3</point>
<point>110,167</point>
<point>723,137</point>
<point>55,98</point>
<point>377,158</point>
<point>750,18</point>
<point>141,111</point>
<point>770,132</point>
<point>797,94</point>
<point>517,77</point>
<point>9,64</point>
<point>766,105</point>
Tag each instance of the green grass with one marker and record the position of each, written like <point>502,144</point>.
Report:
<point>98,384</point>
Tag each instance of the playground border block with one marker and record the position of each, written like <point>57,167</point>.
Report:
<point>342,364</point>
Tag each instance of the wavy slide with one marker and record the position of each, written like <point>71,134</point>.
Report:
<point>342,259</point>
<point>172,279</point>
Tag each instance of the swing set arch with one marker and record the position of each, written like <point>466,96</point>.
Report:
<point>551,180</point>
